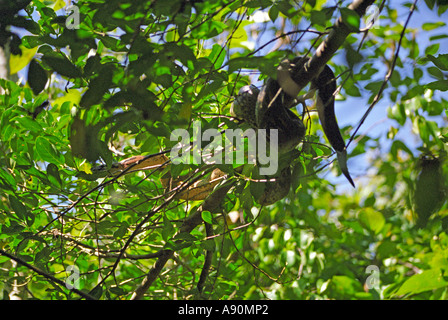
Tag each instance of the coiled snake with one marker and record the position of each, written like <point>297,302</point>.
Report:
<point>265,109</point>
<point>270,109</point>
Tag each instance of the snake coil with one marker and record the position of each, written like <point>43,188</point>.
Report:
<point>265,109</point>
<point>270,109</point>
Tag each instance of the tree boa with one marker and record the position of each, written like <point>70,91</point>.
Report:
<point>265,109</point>
<point>270,108</point>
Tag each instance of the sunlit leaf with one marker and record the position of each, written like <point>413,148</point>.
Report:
<point>84,193</point>
<point>350,19</point>
<point>372,219</point>
<point>73,96</point>
<point>207,217</point>
<point>47,151</point>
<point>18,62</point>
<point>427,280</point>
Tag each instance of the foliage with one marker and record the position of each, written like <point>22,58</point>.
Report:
<point>134,71</point>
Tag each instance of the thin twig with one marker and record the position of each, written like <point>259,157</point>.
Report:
<point>208,260</point>
<point>210,204</point>
<point>46,275</point>
<point>388,75</point>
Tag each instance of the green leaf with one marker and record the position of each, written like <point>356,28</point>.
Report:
<point>97,292</point>
<point>43,255</point>
<point>217,56</point>
<point>398,113</point>
<point>7,180</point>
<point>92,65</point>
<point>97,88</point>
<point>427,280</point>
<point>167,230</point>
<point>53,175</point>
<point>285,7</point>
<point>208,245</point>
<point>207,217</point>
<point>435,108</point>
<point>418,73</point>
<point>441,61</point>
<point>37,77</point>
<point>374,87</point>
<point>318,18</point>
<point>352,56</point>
<point>434,48</point>
<point>344,286</point>
<point>436,73</point>
<point>208,29</point>
<point>258,3</point>
<point>372,219</point>
<point>105,226</point>
<point>60,64</point>
<point>441,85</point>
<point>245,62</point>
<point>28,123</point>
<point>46,151</point>
<point>112,43</point>
<point>297,173</point>
<point>247,202</point>
<point>395,80</point>
<point>18,207</point>
<point>117,291</point>
<point>428,26</point>
<point>121,231</point>
<point>13,228</point>
<point>429,192</point>
<point>185,236</point>
<point>184,53</point>
<point>420,123</point>
<point>273,13</point>
<point>352,91</point>
<point>175,246</point>
<point>257,188</point>
<point>399,145</point>
<point>351,19</point>
<point>430,3</point>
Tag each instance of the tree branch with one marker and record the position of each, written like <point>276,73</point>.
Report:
<point>207,262</point>
<point>45,275</point>
<point>210,204</point>
<point>326,50</point>
<point>387,76</point>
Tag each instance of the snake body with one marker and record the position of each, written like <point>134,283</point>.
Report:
<point>265,109</point>
<point>270,108</point>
